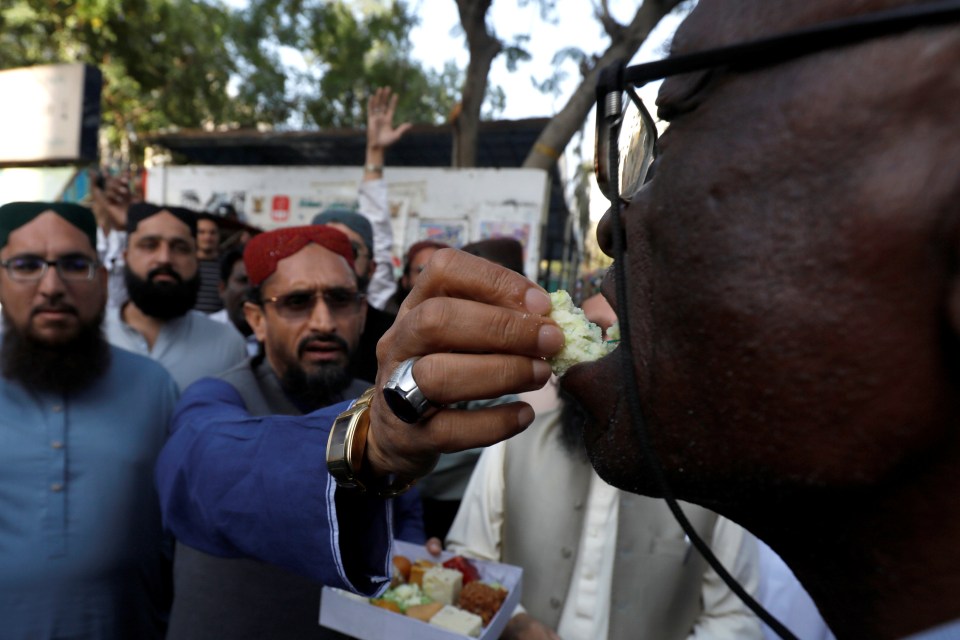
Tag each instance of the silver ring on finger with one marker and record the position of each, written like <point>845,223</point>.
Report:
<point>404,396</point>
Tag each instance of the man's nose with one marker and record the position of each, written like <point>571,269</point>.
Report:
<point>321,319</point>
<point>163,254</point>
<point>606,229</point>
<point>51,283</point>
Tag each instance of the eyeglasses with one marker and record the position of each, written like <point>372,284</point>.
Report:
<point>29,268</point>
<point>340,302</point>
<point>626,140</point>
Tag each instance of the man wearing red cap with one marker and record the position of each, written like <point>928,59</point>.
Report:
<point>306,308</point>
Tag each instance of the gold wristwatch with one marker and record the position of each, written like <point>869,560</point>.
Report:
<point>345,447</point>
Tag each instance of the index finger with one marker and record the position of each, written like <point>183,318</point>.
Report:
<point>476,279</point>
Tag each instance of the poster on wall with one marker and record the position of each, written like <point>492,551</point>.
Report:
<point>519,231</point>
<point>451,232</point>
<point>216,202</point>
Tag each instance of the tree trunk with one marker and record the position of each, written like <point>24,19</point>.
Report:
<point>624,42</point>
<point>483,47</point>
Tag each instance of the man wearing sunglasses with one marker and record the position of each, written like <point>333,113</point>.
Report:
<point>306,308</point>
<point>82,553</point>
<point>789,306</point>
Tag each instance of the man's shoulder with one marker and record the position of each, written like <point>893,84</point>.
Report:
<point>204,327</point>
<point>136,367</point>
<point>239,374</point>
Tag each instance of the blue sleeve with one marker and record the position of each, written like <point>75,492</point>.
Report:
<point>408,517</point>
<point>234,485</point>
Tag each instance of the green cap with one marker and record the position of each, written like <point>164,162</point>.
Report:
<point>14,215</point>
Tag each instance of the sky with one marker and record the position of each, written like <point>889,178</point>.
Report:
<point>438,39</point>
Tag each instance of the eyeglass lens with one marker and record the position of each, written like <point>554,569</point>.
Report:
<point>336,300</point>
<point>30,268</point>
<point>636,145</point>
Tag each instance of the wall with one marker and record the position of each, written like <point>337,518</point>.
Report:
<point>456,206</point>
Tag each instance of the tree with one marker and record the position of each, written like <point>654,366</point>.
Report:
<point>350,49</point>
<point>164,62</point>
<point>192,64</point>
<point>484,46</point>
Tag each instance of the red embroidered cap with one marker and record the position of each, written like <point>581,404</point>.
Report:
<point>265,250</point>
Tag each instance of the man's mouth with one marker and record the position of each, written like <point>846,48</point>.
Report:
<point>57,312</point>
<point>321,350</point>
<point>164,275</point>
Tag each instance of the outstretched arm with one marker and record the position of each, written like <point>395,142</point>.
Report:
<point>372,195</point>
<point>234,485</point>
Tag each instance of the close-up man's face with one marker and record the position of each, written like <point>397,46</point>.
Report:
<point>779,291</point>
<point>161,266</point>
<point>208,237</point>
<point>52,310</point>
<point>312,316</point>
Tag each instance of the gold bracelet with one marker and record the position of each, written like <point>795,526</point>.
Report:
<point>373,168</point>
<point>346,445</point>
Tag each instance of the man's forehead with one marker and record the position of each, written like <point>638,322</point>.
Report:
<point>717,23</point>
<point>47,233</point>
<point>312,266</point>
<point>163,224</point>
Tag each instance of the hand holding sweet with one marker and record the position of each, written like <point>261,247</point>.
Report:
<point>479,331</point>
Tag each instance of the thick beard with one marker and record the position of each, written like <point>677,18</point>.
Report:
<point>323,387</point>
<point>65,367</point>
<point>164,300</point>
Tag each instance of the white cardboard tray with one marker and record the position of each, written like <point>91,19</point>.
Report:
<point>349,614</point>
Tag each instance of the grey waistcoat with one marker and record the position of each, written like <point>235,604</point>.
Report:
<point>239,598</point>
<point>657,577</point>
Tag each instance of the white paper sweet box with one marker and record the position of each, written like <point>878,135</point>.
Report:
<point>355,616</point>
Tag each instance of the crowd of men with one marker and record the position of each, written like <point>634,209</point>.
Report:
<point>785,277</point>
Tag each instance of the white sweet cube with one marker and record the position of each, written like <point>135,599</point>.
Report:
<point>442,584</point>
<point>458,621</point>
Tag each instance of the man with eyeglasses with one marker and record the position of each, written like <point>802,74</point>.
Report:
<point>82,554</point>
<point>162,277</point>
<point>306,308</point>
<point>789,305</point>
<point>371,231</point>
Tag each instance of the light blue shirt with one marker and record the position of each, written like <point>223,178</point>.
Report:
<point>949,631</point>
<point>82,554</point>
<point>190,347</point>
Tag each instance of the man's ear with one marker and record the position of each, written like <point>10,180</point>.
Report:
<point>371,267</point>
<point>254,315</point>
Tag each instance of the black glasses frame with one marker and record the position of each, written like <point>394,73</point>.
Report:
<point>616,79</point>
<point>92,265</point>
